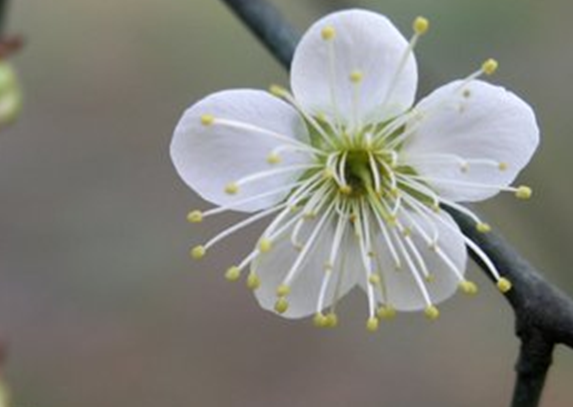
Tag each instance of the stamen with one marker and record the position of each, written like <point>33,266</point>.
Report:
<point>375,173</point>
<point>270,173</point>
<point>253,281</point>
<point>307,246</point>
<point>362,231</point>
<point>421,25</point>
<point>489,67</point>
<point>328,33</point>
<point>372,324</point>
<point>432,312</point>
<point>233,273</point>
<point>246,222</point>
<point>523,192</point>
<point>468,287</point>
<point>231,188</point>
<point>419,259</point>
<point>235,124</point>
<point>378,215</point>
<point>195,217</point>
<point>356,77</point>
<point>274,158</point>
<point>386,312</point>
<point>413,269</point>
<point>504,285</point>
<point>198,252</point>
<point>207,119</point>
<point>281,306</point>
<point>311,120</point>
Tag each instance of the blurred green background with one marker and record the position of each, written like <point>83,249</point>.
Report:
<point>98,298</point>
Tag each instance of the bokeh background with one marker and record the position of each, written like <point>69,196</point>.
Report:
<point>98,298</point>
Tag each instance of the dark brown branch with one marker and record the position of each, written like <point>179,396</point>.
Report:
<point>543,314</point>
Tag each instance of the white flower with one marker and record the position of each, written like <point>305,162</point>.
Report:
<point>355,176</point>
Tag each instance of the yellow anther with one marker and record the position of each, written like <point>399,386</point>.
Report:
<point>278,91</point>
<point>309,215</point>
<point>394,192</point>
<point>281,305</point>
<point>273,158</point>
<point>194,217</point>
<point>483,227</point>
<point>372,324</point>
<point>232,188</point>
<point>345,189</point>
<point>468,287</point>
<point>328,33</point>
<point>407,232</point>
<point>392,220</point>
<point>327,174</point>
<point>356,76</point>
<point>374,279</point>
<point>436,208</point>
<point>320,320</point>
<point>198,252</point>
<point>421,25</point>
<point>430,278</point>
<point>489,67</point>
<point>265,245</point>
<point>386,312</point>
<point>233,273</point>
<point>466,93</point>
<point>523,192</point>
<point>331,320</point>
<point>504,285</point>
<point>432,312</point>
<point>502,166</point>
<point>283,290</point>
<point>207,119</point>
<point>253,281</point>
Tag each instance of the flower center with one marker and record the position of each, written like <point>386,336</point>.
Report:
<point>358,174</point>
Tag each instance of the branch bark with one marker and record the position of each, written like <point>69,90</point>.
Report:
<point>543,313</point>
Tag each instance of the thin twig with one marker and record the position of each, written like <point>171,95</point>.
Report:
<point>257,15</point>
<point>543,313</point>
<point>4,5</point>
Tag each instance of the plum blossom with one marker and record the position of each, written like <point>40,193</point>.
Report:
<point>355,176</point>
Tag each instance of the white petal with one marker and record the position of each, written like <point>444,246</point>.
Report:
<point>209,157</point>
<point>364,41</point>
<point>272,267</point>
<point>402,291</point>
<point>474,121</point>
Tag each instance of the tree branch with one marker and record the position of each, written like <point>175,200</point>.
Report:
<point>543,313</point>
<point>3,11</point>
